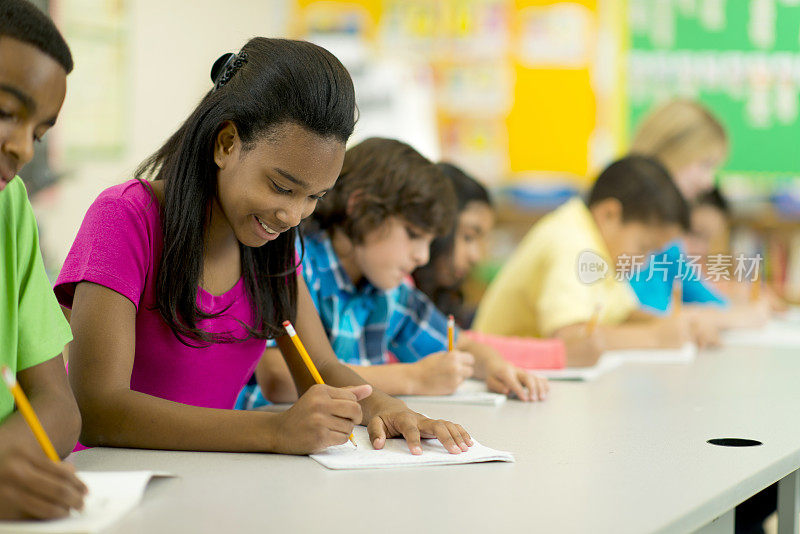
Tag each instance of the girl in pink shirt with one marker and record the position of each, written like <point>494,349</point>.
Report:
<point>175,284</point>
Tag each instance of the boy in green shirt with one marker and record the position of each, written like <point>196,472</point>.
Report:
<point>34,62</point>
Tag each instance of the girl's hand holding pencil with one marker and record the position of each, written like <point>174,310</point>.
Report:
<point>324,416</point>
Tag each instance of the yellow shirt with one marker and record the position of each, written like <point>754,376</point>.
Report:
<point>558,275</point>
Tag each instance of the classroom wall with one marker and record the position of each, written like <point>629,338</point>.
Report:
<point>170,51</point>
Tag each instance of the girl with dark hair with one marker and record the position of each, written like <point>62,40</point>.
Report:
<point>454,254</point>
<point>362,245</point>
<point>176,284</point>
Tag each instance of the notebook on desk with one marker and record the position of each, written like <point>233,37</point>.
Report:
<point>472,392</point>
<point>777,333</point>
<point>685,354</point>
<point>395,454</point>
<point>581,374</point>
<point>614,358</point>
<point>112,494</point>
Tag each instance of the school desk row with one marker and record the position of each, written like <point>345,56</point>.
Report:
<point>627,452</point>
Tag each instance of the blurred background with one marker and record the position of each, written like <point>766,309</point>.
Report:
<point>533,97</point>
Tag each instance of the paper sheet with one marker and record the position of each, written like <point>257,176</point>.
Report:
<point>585,374</point>
<point>112,494</point>
<point>778,333</point>
<point>472,392</point>
<point>614,358</point>
<point>396,454</point>
<point>685,354</point>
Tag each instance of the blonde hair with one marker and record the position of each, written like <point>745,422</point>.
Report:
<point>679,133</point>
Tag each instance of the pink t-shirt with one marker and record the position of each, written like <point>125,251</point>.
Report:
<point>119,246</point>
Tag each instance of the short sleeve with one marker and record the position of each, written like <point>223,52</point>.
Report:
<point>563,300</point>
<point>42,329</point>
<point>112,249</point>
<point>417,327</point>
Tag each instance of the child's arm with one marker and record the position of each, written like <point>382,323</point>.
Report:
<point>47,389</point>
<point>583,349</point>
<point>656,333</point>
<point>274,378</point>
<point>500,375</point>
<point>31,485</point>
<point>101,361</point>
<point>436,374</point>
<point>383,415</point>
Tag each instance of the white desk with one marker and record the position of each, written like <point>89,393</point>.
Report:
<point>626,453</point>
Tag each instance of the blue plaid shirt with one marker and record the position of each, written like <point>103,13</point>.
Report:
<point>365,323</point>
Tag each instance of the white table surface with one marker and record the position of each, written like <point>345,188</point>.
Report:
<point>626,453</point>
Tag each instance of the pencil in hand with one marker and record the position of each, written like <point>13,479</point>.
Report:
<point>677,296</point>
<point>451,332</point>
<point>592,324</point>
<point>307,360</point>
<point>28,414</point>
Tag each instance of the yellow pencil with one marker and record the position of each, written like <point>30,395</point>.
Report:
<point>28,414</point>
<point>451,332</point>
<point>592,324</point>
<point>755,288</point>
<point>677,297</point>
<point>307,360</point>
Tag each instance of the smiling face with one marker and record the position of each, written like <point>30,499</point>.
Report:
<point>32,90</point>
<point>390,253</point>
<point>274,184</point>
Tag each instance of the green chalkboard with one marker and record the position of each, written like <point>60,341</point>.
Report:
<point>741,58</point>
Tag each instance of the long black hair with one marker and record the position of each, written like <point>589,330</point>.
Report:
<point>449,299</point>
<point>269,83</point>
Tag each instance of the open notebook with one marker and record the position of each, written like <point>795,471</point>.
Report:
<point>396,454</point>
<point>778,333</point>
<point>614,358</point>
<point>469,392</point>
<point>112,494</point>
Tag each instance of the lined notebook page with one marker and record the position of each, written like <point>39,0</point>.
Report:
<point>396,454</point>
<point>583,374</point>
<point>779,333</point>
<point>112,494</point>
<point>472,392</point>
<point>685,354</point>
<point>614,358</point>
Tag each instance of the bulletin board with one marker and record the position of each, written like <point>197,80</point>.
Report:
<point>523,87</point>
<point>741,59</point>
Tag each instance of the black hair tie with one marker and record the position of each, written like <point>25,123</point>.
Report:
<point>225,67</point>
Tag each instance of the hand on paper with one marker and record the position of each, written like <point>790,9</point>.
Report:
<point>34,487</point>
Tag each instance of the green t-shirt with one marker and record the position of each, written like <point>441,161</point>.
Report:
<point>32,327</point>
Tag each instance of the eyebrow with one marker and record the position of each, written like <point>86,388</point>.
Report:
<point>291,178</point>
<point>26,100</point>
<point>294,180</point>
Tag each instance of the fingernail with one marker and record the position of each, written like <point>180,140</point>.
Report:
<point>416,450</point>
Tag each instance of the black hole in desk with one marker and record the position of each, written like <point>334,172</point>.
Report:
<point>734,442</point>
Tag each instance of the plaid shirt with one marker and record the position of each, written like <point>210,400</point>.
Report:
<point>365,323</point>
